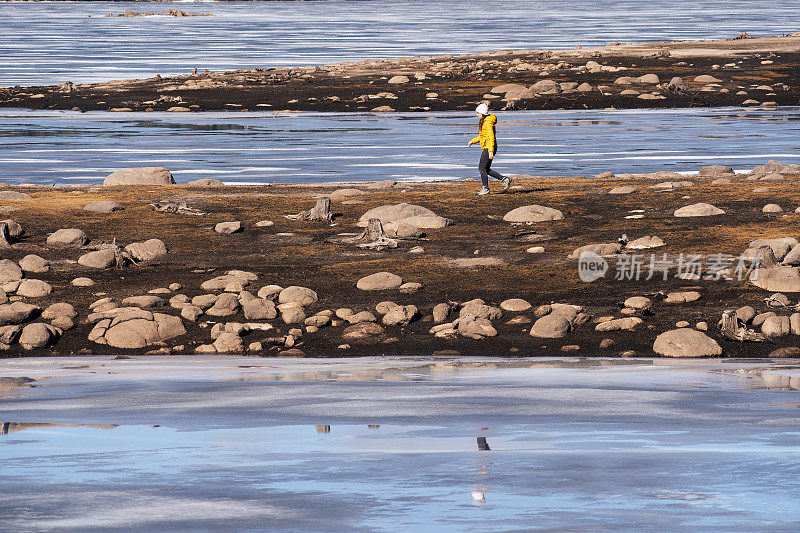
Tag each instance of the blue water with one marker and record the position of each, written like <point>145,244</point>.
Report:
<point>50,42</point>
<point>46,147</point>
<point>612,448</point>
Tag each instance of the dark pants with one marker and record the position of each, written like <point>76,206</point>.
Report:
<point>485,168</point>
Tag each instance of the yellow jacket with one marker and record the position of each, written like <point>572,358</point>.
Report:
<point>486,135</point>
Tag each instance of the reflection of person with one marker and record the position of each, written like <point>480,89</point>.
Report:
<point>488,141</point>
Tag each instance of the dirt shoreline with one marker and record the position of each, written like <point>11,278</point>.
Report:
<point>750,72</point>
<point>479,256</point>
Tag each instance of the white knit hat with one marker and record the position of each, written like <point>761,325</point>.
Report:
<point>483,109</point>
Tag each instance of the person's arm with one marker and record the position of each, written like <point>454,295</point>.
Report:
<point>474,140</point>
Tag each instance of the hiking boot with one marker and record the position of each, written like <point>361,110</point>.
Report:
<point>484,190</point>
<point>506,183</point>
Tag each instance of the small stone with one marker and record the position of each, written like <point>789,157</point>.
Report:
<point>681,324</point>
<point>638,302</point>
<point>772,208</point>
<point>618,324</point>
<point>410,287</point>
<point>606,343</point>
<point>535,250</point>
<point>515,305</point>
<point>83,282</point>
<point>264,224</point>
<point>681,297</point>
<point>255,347</point>
<point>362,330</point>
<point>143,302</point>
<point>400,315</point>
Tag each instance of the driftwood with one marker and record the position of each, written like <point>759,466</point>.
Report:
<point>734,329</point>
<point>175,207</point>
<point>320,213</point>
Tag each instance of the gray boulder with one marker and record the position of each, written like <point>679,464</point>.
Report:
<point>147,301</point>
<point>603,250</point>
<point>362,331</point>
<point>58,310</point>
<point>394,213</point>
<point>715,170</point>
<point>698,210</point>
<point>34,264</point>
<point>149,249</point>
<point>106,206</point>
<point>777,279</point>
<point>227,228</point>
<point>38,335</point>
<point>294,294</point>
<point>34,288</point>
<point>551,326</point>
<point>259,309</point>
<point>546,87</point>
<point>14,195</point>
<point>533,213</point>
<point>15,231</point>
<point>9,271</point>
<point>17,312</point>
<point>100,259</point>
<point>140,176</point>
<point>136,329</point>
<point>515,305</point>
<point>67,237</point>
<point>227,304</point>
<point>400,315</point>
<point>686,342</point>
<point>380,281</point>
<point>206,182</point>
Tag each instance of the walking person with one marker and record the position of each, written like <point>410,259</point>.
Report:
<point>488,141</point>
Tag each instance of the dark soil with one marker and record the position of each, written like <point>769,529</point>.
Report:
<point>307,258</point>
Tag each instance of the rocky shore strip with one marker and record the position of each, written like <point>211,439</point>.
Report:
<point>740,71</point>
<point>142,265</point>
<point>128,13</point>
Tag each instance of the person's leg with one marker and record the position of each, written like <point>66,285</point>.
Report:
<point>483,167</point>
<point>492,173</point>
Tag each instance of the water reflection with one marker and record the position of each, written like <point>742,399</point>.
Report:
<point>13,427</point>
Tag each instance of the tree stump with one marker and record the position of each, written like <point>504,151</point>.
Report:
<point>321,212</point>
<point>765,258</point>
<point>732,328</point>
<point>5,237</point>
